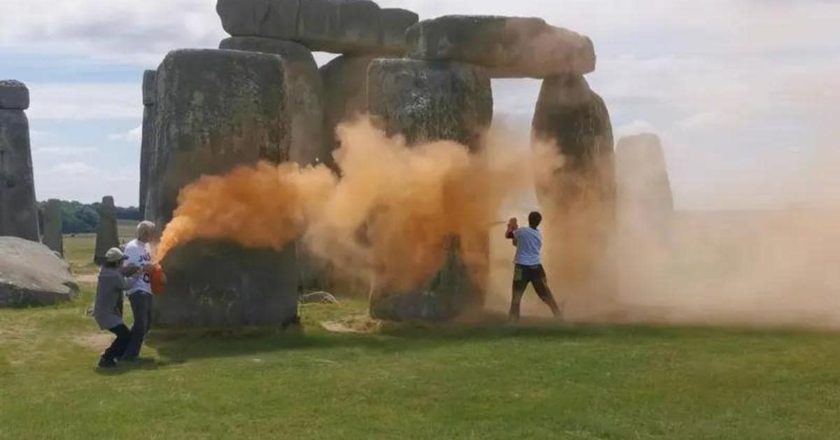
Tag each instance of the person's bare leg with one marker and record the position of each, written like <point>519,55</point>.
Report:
<point>546,296</point>
<point>516,299</point>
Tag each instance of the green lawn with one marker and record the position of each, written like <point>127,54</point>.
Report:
<point>481,382</point>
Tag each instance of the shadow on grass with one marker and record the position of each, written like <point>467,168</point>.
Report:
<point>143,364</point>
<point>180,346</point>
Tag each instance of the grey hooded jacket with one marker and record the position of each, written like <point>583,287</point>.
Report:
<point>108,307</point>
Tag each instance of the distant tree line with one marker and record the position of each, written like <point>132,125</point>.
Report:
<point>80,218</point>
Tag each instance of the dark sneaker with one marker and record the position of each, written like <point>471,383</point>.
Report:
<point>107,363</point>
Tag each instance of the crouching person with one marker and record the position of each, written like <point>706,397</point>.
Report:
<point>114,279</point>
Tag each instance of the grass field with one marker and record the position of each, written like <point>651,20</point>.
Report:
<point>415,382</point>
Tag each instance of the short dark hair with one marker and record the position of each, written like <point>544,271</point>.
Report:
<point>112,264</point>
<point>534,219</point>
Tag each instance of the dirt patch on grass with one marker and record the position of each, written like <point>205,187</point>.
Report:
<point>360,324</point>
<point>94,341</point>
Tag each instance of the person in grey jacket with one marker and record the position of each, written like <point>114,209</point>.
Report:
<point>114,279</point>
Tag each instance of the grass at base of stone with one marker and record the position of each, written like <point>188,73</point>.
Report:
<point>417,381</point>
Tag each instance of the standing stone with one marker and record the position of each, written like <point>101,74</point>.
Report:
<point>32,275</point>
<point>53,238</point>
<point>429,101</point>
<point>505,46</point>
<point>305,97</point>
<point>643,183</point>
<point>148,135</point>
<point>306,107</point>
<point>14,95</point>
<point>579,198</point>
<point>218,109</point>
<point>426,102</point>
<point>107,235</point>
<point>18,208</point>
<point>345,85</point>
<point>645,200</point>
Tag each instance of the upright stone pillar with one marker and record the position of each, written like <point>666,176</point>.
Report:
<point>346,96</point>
<point>580,197</point>
<point>431,101</point>
<point>305,100</point>
<point>147,143</point>
<point>217,109</point>
<point>645,200</point>
<point>306,107</point>
<point>107,235</point>
<point>18,208</point>
<point>53,237</point>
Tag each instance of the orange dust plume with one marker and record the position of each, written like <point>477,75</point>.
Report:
<point>260,206</point>
<point>389,217</point>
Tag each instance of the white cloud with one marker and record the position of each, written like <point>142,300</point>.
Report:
<point>718,77</point>
<point>77,169</point>
<point>63,151</point>
<point>85,101</point>
<point>633,128</point>
<point>133,135</point>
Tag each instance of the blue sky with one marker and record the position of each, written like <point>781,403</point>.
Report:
<point>743,92</point>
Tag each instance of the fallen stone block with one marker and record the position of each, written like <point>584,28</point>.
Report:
<point>32,274</point>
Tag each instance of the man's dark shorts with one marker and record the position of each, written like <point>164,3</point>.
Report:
<point>522,275</point>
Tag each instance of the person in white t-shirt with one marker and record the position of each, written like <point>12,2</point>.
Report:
<point>138,253</point>
<point>528,265</point>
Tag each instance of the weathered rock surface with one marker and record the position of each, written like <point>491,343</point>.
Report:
<point>395,23</point>
<point>339,26</point>
<point>429,101</point>
<point>575,118</point>
<point>448,295</point>
<point>32,274</point>
<point>218,284</point>
<point>305,96</point>
<point>642,175</point>
<point>265,18</point>
<point>147,140</point>
<point>18,209</point>
<point>506,46</point>
<point>149,88</point>
<point>345,86</point>
<point>318,298</point>
<point>579,197</point>
<point>107,235</point>
<point>13,95</point>
<point>222,108</point>
<point>53,237</point>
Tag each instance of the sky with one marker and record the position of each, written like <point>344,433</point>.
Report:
<point>744,93</point>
